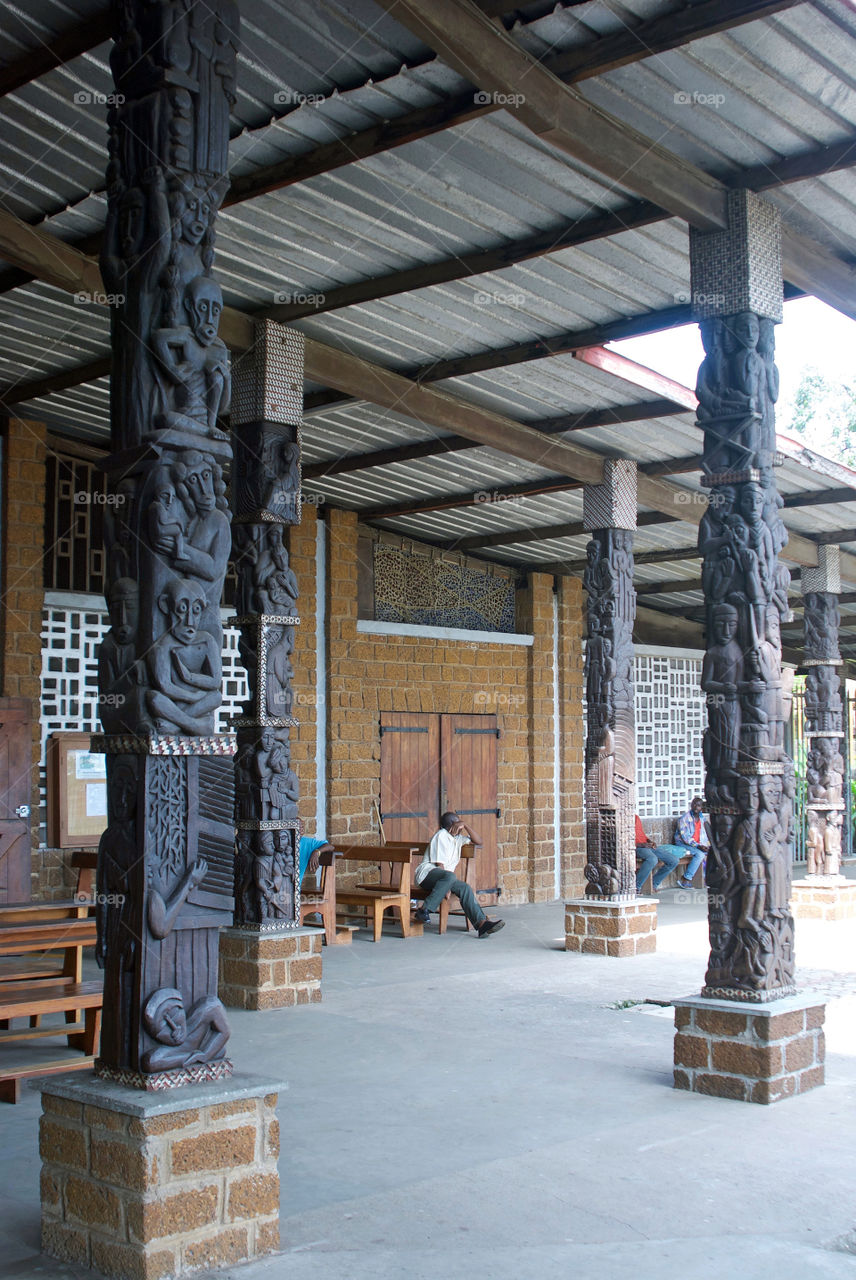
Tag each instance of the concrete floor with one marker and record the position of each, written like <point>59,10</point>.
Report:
<point>481,1108</point>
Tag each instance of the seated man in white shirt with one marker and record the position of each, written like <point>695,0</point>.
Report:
<point>444,852</point>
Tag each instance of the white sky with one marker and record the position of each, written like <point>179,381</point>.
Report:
<point>811,336</point>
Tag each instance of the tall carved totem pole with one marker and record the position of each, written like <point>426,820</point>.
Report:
<point>737,293</point>
<point>824,715</point>
<point>609,512</point>
<point>165,863</point>
<point>266,414</point>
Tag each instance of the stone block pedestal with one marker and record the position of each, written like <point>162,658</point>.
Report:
<point>269,970</point>
<point>140,1186</point>
<point>749,1052</point>
<point>824,898</point>
<point>598,927</point>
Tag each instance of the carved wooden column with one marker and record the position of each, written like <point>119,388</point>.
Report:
<point>600,923</point>
<point>737,294</point>
<point>825,893</point>
<point>266,415</point>
<point>165,861</point>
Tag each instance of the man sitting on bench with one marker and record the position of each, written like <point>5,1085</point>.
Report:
<point>648,855</point>
<point>436,874</point>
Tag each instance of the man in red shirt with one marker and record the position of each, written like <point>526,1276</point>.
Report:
<point>648,855</point>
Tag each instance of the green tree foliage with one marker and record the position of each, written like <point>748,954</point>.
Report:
<point>824,415</point>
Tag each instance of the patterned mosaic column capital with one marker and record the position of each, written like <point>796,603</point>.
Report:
<point>267,381</point>
<point>612,503</point>
<point>827,575</point>
<point>740,268</point>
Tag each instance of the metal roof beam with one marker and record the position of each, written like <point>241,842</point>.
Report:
<point>473,46</point>
<point>501,493</point>
<point>669,31</point>
<point>456,444</point>
<point>820,497</point>
<point>544,533</point>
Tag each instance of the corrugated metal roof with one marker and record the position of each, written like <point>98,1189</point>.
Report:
<point>786,85</point>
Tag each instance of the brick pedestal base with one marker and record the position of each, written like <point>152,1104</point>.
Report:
<point>141,1186</point>
<point>824,898</point>
<point>749,1052</point>
<point>269,970</point>
<point>601,928</point>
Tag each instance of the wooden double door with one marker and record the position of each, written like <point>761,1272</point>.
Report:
<point>433,763</point>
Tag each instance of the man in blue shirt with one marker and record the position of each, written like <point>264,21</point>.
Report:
<point>692,835</point>
<point>311,848</point>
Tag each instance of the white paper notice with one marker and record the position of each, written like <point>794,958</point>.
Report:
<point>96,799</point>
<point>90,764</point>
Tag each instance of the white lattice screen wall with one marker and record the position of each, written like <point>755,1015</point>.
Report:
<point>670,720</point>
<point>71,634</point>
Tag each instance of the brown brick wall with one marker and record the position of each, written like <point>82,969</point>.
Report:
<point>23,591</point>
<point>571,624</point>
<point>369,674</point>
<point>301,551</point>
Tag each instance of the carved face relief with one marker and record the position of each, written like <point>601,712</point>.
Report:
<point>725,626</point>
<point>199,479</point>
<point>131,224</point>
<point>746,798</point>
<point>165,1018</point>
<point>196,218</point>
<point>266,843</point>
<point>752,503</point>
<point>747,329</point>
<point>204,303</point>
<point>184,604</point>
<point>774,628</point>
<point>124,608</point>
<point>123,792</point>
<point>770,791</point>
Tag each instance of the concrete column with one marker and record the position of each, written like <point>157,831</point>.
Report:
<point>737,296</point>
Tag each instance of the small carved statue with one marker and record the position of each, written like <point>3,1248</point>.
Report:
<point>197,1036</point>
<point>184,664</point>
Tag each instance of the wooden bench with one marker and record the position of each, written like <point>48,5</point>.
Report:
<point>392,889</point>
<point>21,939</point>
<point>32,1000</point>
<point>85,861</point>
<point>318,897</point>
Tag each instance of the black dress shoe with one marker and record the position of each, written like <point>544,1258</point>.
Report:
<point>421,915</point>
<point>490,926</point>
